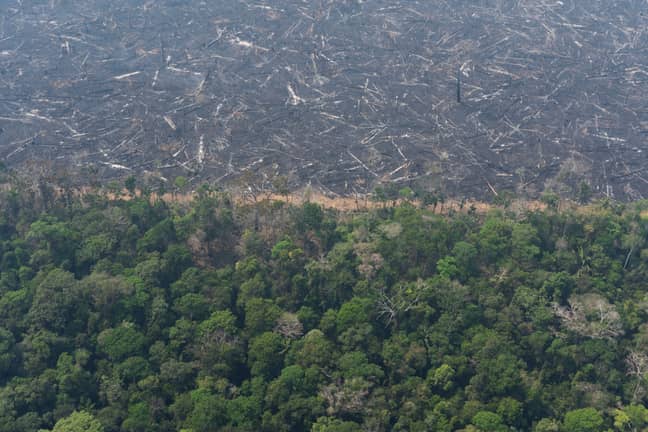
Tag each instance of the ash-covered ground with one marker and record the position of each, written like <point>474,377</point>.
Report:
<point>339,94</point>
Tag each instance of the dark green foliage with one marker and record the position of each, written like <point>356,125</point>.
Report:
<point>130,184</point>
<point>121,342</point>
<point>132,315</point>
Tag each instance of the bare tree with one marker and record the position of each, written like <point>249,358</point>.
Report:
<point>633,241</point>
<point>289,326</point>
<point>637,365</point>
<point>346,396</point>
<point>399,301</point>
<point>590,315</point>
<point>370,261</point>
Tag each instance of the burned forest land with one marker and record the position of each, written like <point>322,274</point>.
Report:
<point>341,95</point>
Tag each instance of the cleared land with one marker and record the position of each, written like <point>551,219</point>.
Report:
<point>341,95</point>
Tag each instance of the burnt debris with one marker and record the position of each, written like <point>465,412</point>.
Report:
<point>336,93</point>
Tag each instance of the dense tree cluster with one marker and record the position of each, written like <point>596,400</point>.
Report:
<point>134,314</point>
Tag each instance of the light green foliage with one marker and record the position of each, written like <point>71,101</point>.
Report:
<point>441,377</point>
<point>180,182</point>
<point>551,200</point>
<point>633,417</point>
<point>78,421</point>
<point>547,425</point>
<point>583,420</point>
<point>447,267</point>
<point>486,421</point>
<point>328,424</point>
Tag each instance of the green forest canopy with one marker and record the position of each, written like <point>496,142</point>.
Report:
<point>133,315</point>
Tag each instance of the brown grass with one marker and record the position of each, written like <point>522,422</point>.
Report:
<point>355,203</point>
<point>337,202</point>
